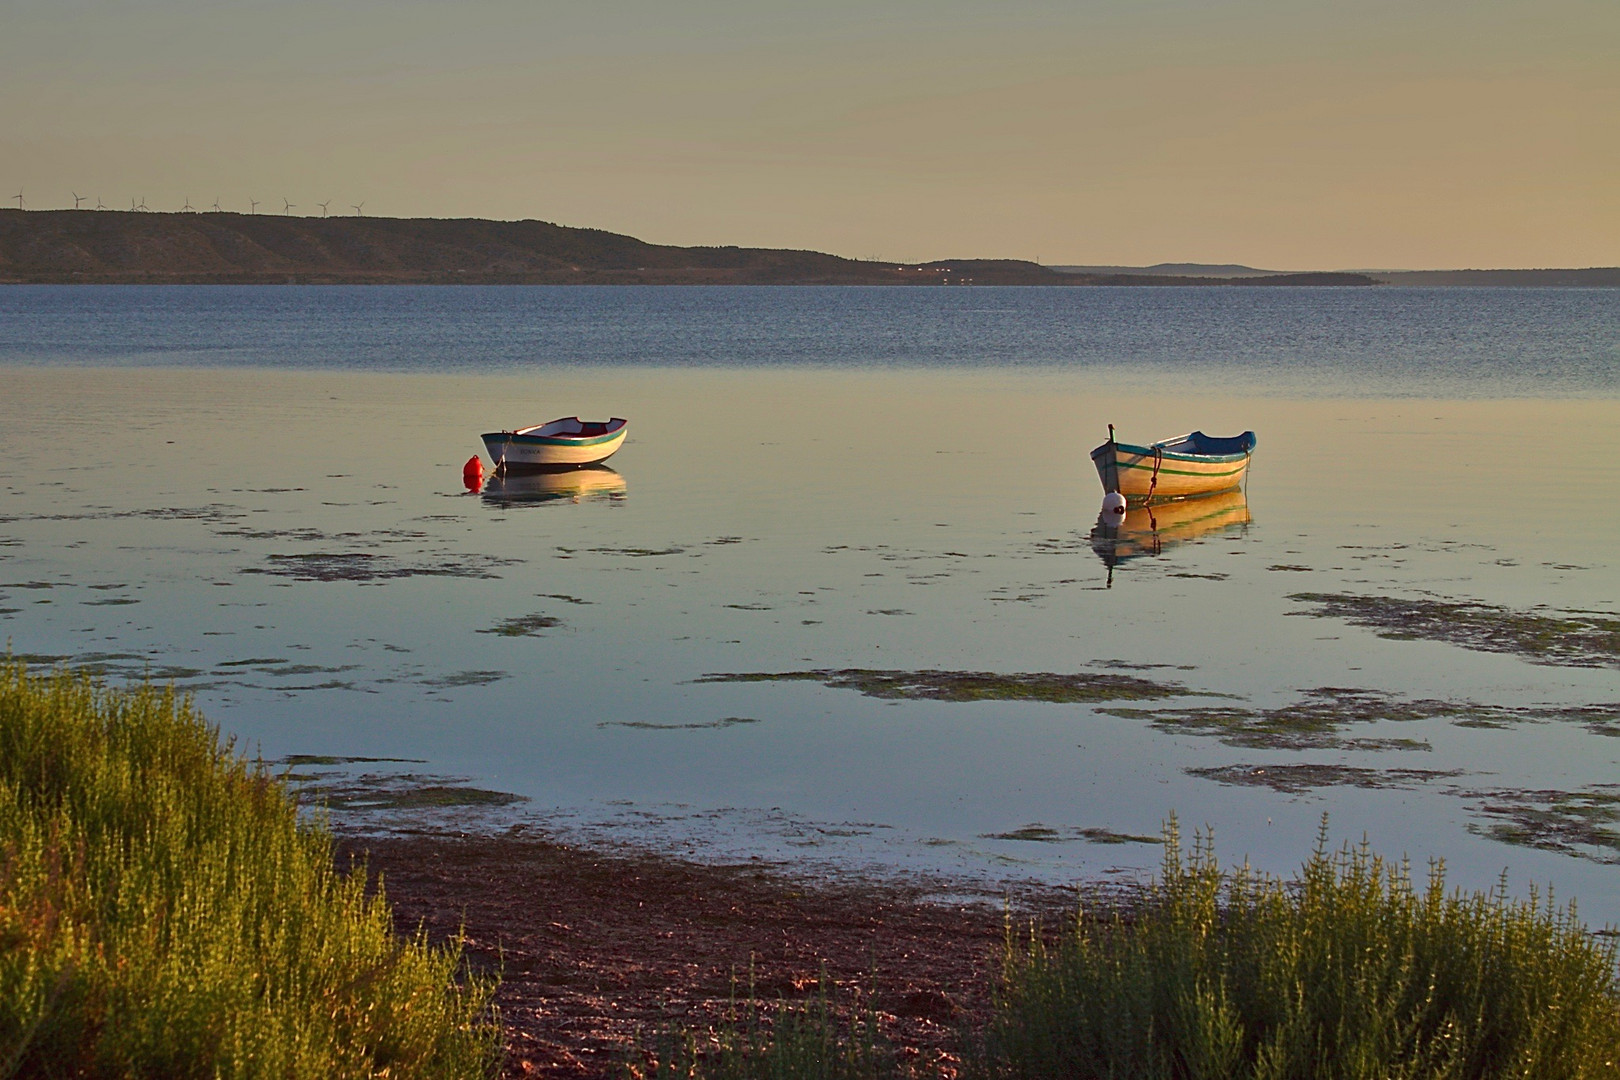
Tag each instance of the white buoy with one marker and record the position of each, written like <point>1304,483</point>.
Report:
<point>1113,508</point>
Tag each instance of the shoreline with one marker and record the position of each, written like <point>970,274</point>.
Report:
<point>78,246</point>
<point>599,947</point>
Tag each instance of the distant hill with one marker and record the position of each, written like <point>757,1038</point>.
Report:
<point>121,247</point>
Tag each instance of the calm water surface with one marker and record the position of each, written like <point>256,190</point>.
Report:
<point>256,493</point>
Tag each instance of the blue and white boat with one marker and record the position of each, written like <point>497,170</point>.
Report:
<point>1184,467</point>
<point>569,442</point>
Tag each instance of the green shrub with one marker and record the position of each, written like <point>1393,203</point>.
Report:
<point>1347,973</point>
<point>801,1042</point>
<point>164,914</point>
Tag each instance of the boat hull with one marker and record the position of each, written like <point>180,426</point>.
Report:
<point>515,451</point>
<point>1131,470</point>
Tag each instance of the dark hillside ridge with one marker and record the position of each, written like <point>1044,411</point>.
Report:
<point>124,247</point>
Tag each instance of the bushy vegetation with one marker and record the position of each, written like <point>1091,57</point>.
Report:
<point>163,913</point>
<point>805,1042</point>
<point>1348,972</point>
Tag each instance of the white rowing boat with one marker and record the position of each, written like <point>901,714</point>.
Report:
<point>561,443</point>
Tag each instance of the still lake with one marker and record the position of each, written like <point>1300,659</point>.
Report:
<point>256,493</point>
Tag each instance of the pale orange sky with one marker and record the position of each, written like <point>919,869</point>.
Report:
<point>1282,135</point>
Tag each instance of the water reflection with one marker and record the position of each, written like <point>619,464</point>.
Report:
<point>568,484</point>
<point>1148,530</point>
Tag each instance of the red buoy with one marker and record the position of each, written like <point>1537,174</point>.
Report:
<point>472,473</point>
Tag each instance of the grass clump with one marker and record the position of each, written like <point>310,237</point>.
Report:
<point>803,1041</point>
<point>1349,972</point>
<point>163,913</point>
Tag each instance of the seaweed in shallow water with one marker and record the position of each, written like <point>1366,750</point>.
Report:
<point>932,685</point>
<point>403,792</point>
<point>1569,638</point>
<point>464,678</point>
<point>1046,834</point>
<point>1296,779</point>
<point>696,725</point>
<point>1585,823</point>
<point>294,760</point>
<point>523,626</point>
<point>363,566</point>
<point>1318,719</point>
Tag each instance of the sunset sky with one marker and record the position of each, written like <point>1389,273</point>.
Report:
<point>1299,135</point>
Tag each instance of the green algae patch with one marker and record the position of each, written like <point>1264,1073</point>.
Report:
<point>1583,823</point>
<point>1046,834</point>
<point>934,685</point>
<point>695,725</point>
<point>367,567</point>
<point>397,792</point>
<point>296,760</point>
<point>1566,638</point>
<point>523,626</point>
<point>1038,834</point>
<point>1109,836</point>
<point>457,679</point>
<point>1299,778</point>
<point>423,797</point>
<point>133,667</point>
<point>1319,719</point>
<point>1314,722</point>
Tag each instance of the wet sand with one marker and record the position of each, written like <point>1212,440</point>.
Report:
<point>597,948</point>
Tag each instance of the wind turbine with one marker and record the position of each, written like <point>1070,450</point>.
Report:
<point>99,204</point>
<point>254,204</point>
<point>77,199</point>
<point>217,210</point>
<point>287,207</point>
<point>132,206</point>
<point>360,210</point>
<point>188,208</point>
<point>323,206</point>
<point>143,208</point>
<point>19,198</point>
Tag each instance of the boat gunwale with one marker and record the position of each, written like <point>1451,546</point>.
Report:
<point>559,440</point>
<point>1168,455</point>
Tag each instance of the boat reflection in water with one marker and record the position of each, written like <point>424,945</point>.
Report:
<point>1149,530</point>
<point>591,482</point>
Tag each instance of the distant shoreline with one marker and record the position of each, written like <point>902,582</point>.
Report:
<point>60,247</point>
<point>70,247</point>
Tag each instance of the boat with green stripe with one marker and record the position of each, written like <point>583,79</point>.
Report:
<point>568,442</point>
<point>1185,467</point>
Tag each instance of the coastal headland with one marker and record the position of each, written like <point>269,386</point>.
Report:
<point>119,247</point>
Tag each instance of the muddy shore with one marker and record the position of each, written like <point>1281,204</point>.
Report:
<point>597,948</point>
